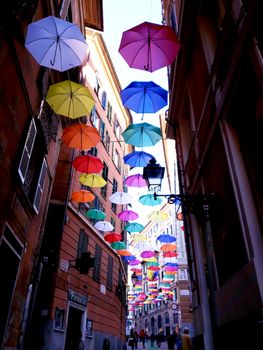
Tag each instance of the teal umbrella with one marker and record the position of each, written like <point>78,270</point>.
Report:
<point>134,227</point>
<point>118,245</point>
<point>142,134</point>
<point>148,199</point>
<point>95,214</point>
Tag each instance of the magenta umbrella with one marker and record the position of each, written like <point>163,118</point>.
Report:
<point>149,46</point>
<point>147,254</point>
<point>128,215</point>
<point>135,181</point>
<point>134,262</point>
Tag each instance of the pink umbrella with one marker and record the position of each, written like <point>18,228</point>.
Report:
<point>147,254</point>
<point>128,215</point>
<point>149,46</point>
<point>135,181</point>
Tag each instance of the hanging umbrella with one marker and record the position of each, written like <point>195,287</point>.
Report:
<point>120,198</point>
<point>81,136</point>
<point>168,247</point>
<point>112,237</point>
<point>154,268</point>
<point>128,258</point>
<point>118,245</point>
<point>70,99</point>
<point>149,46</point>
<point>152,263</point>
<point>124,252</point>
<point>138,158</point>
<point>144,97</point>
<point>149,199</point>
<point>138,238</point>
<point>87,164</point>
<point>158,215</point>
<point>147,254</point>
<point>56,43</point>
<point>92,180</point>
<point>170,254</point>
<point>134,227</point>
<point>142,134</point>
<point>134,262</point>
<point>166,238</point>
<point>128,215</point>
<point>95,214</point>
<point>135,181</point>
<point>82,196</point>
<point>103,226</point>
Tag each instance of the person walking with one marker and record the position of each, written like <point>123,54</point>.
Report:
<point>170,342</point>
<point>186,340</point>
<point>142,337</point>
<point>152,338</point>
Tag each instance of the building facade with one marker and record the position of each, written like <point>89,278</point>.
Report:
<point>215,116</point>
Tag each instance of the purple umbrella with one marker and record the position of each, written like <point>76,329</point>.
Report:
<point>149,46</point>
<point>135,181</point>
<point>138,158</point>
<point>147,254</point>
<point>128,215</point>
<point>134,262</point>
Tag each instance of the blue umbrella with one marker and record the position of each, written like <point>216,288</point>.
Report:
<point>138,158</point>
<point>142,134</point>
<point>166,238</point>
<point>144,97</point>
<point>129,258</point>
<point>148,199</point>
<point>56,44</point>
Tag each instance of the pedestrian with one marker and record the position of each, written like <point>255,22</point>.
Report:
<point>142,337</point>
<point>152,338</point>
<point>135,339</point>
<point>170,342</point>
<point>186,340</point>
<point>159,339</point>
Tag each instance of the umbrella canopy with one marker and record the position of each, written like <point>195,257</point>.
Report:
<point>135,181</point>
<point>128,258</point>
<point>134,227</point>
<point>70,99</point>
<point>170,254</point>
<point>118,245</point>
<point>149,199</point>
<point>134,262</point>
<point>113,237</point>
<point>142,134</point>
<point>82,196</point>
<point>87,164</point>
<point>168,247</point>
<point>56,43</point>
<point>158,215</point>
<point>144,97</point>
<point>147,254</point>
<point>128,215</point>
<point>95,214</point>
<point>92,180</point>
<point>166,238</point>
<point>138,158</point>
<point>81,136</point>
<point>103,226</point>
<point>124,252</point>
<point>120,198</point>
<point>149,46</point>
<point>138,237</point>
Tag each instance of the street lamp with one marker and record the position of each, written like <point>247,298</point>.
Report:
<point>153,174</point>
<point>134,278</point>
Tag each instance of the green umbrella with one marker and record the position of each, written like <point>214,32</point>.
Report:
<point>142,134</point>
<point>118,245</point>
<point>134,227</point>
<point>148,199</point>
<point>95,214</point>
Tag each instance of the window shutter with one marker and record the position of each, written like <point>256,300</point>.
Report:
<point>82,243</point>
<point>96,270</point>
<point>109,272</point>
<point>40,186</point>
<point>27,151</point>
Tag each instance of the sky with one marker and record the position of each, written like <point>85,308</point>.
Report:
<point>119,16</point>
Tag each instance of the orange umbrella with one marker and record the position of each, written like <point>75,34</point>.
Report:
<point>82,196</point>
<point>81,136</point>
<point>168,247</point>
<point>124,252</point>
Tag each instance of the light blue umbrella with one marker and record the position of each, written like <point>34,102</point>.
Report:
<point>134,227</point>
<point>148,199</point>
<point>56,43</point>
<point>138,158</point>
<point>142,134</point>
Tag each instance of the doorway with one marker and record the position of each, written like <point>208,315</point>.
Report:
<point>74,327</point>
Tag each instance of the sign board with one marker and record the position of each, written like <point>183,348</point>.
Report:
<point>64,265</point>
<point>102,289</point>
<point>77,297</point>
<point>184,292</point>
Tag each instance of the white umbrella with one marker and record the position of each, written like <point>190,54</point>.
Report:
<point>104,226</point>
<point>120,198</point>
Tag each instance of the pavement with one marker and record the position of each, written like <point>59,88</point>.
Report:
<point>149,347</point>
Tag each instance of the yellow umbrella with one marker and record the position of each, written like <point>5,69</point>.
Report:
<point>92,180</point>
<point>158,215</point>
<point>70,99</point>
<point>138,238</point>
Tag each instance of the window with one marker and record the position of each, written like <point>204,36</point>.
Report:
<point>109,272</point>
<point>112,221</point>
<point>93,151</point>
<point>105,172</point>
<point>107,142</point>
<point>102,130</point>
<point>83,243</point>
<point>116,159</point>
<point>40,186</point>
<point>94,118</point>
<point>109,112</point>
<point>117,129</point>
<point>11,250</point>
<point>103,99</point>
<point>97,263</point>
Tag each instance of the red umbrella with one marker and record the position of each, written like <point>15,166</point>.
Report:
<point>169,254</point>
<point>87,164</point>
<point>128,215</point>
<point>113,237</point>
<point>149,46</point>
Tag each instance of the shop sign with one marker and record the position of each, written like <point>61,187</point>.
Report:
<point>77,298</point>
